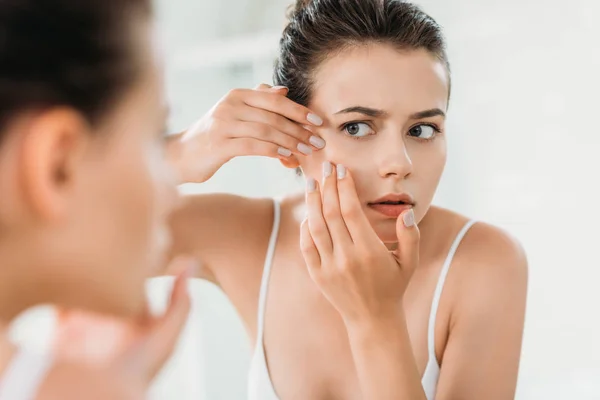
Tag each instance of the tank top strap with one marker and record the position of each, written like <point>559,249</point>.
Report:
<point>264,286</point>
<point>440,287</point>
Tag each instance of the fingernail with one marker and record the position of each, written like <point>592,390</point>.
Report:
<point>409,218</point>
<point>284,152</point>
<point>303,148</point>
<point>316,141</point>
<point>327,168</point>
<point>279,88</point>
<point>314,119</point>
<point>311,185</point>
<point>341,171</point>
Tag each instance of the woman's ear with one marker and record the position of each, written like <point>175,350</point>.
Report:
<point>290,162</point>
<point>50,155</point>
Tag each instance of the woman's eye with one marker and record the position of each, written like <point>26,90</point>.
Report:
<point>358,129</point>
<point>422,131</point>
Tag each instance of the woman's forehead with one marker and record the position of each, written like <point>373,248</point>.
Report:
<point>381,77</point>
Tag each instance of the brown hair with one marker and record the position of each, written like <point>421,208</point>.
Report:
<point>76,53</point>
<point>320,28</point>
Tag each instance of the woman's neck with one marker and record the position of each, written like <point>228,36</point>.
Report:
<point>18,289</point>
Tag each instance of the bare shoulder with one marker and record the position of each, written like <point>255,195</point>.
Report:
<point>484,249</point>
<point>484,311</point>
<point>489,270</point>
<point>222,230</point>
<point>69,381</point>
<point>489,252</point>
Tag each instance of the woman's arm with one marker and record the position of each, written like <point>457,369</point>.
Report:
<point>221,232</point>
<point>481,359</point>
<point>218,228</point>
<point>384,359</point>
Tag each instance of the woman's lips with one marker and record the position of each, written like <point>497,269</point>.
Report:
<point>390,210</point>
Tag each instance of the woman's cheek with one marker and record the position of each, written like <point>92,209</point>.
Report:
<point>428,166</point>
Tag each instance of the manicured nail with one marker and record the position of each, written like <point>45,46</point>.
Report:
<point>282,151</point>
<point>314,119</point>
<point>311,185</point>
<point>305,149</point>
<point>409,218</point>
<point>316,141</point>
<point>327,168</point>
<point>279,88</point>
<point>341,171</point>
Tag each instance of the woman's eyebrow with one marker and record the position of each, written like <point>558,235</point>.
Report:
<point>368,111</point>
<point>434,112</point>
<point>378,113</point>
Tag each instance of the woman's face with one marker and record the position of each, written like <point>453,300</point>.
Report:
<point>122,213</point>
<point>384,114</point>
<point>87,206</point>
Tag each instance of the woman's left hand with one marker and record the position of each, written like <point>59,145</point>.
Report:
<point>353,268</point>
<point>144,343</point>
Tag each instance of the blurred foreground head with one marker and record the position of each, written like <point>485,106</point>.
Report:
<point>85,189</point>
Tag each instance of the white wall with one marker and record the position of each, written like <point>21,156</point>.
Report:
<point>523,143</point>
<point>526,84</point>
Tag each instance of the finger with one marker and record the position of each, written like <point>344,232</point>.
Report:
<point>90,338</point>
<point>146,317</point>
<point>300,133</point>
<point>159,345</point>
<point>264,87</point>
<point>281,105</point>
<point>408,241</point>
<point>309,250</point>
<point>316,222</point>
<point>359,227</point>
<point>179,265</point>
<point>255,147</point>
<point>281,90</point>
<point>286,145</point>
<point>331,210</point>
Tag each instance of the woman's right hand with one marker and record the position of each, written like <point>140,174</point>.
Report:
<point>137,348</point>
<point>246,122</point>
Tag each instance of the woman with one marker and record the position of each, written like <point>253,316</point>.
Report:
<point>354,301</point>
<point>85,188</point>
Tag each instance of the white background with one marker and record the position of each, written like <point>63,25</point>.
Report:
<point>523,134</point>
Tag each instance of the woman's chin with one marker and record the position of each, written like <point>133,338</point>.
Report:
<point>386,231</point>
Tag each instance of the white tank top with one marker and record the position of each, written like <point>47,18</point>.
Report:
<point>260,386</point>
<point>24,376</point>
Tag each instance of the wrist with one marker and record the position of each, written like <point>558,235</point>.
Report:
<point>192,158</point>
<point>377,324</point>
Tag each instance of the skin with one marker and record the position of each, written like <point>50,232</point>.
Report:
<point>72,193</point>
<point>351,289</point>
